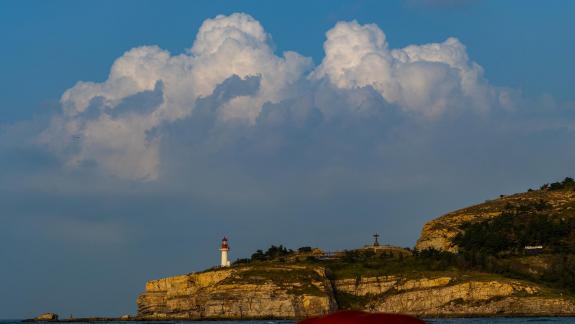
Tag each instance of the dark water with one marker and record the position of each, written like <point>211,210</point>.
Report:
<point>505,320</point>
<point>502,320</point>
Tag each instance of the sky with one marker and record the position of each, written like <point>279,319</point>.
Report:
<point>134,135</point>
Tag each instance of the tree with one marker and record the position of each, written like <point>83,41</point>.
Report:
<point>258,256</point>
<point>556,186</point>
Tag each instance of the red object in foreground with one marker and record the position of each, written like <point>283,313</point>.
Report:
<point>356,317</point>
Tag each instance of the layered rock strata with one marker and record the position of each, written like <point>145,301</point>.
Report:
<point>240,293</point>
<point>292,292</point>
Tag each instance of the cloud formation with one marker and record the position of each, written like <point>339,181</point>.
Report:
<point>424,79</point>
<point>237,95</point>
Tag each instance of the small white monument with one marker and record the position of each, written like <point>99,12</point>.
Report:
<point>224,251</point>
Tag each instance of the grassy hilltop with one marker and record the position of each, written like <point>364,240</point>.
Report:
<point>481,242</point>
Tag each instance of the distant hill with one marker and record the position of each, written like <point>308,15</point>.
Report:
<point>528,235</point>
<point>555,202</point>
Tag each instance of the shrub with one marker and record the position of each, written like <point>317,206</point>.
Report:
<point>511,232</point>
<point>273,252</point>
<point>556,186</point>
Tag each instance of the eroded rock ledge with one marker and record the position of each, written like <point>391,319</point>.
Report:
<point>240,293</point>
<point>297,291</point>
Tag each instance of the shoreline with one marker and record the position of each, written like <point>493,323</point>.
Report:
<point>214,319</point>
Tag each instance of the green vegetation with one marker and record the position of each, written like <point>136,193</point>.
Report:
<point>352,263</point>
<point>273,253</point>
<point>278,274</point>
<point>567,183</point>
<point>515,229</point>
<point>298,280</point>
<point>351,302</point>
<point>493,248</point>
<point>497,245</point>
<point>366,263</point>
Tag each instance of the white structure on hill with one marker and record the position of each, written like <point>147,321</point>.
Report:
<point>224,253</point>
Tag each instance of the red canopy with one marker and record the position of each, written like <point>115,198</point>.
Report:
<point>357,317</point>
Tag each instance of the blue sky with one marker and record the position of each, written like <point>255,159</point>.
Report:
<point>520,43</point>
<point>138,174</point>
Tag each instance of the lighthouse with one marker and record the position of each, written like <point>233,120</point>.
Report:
<point>224,253</point>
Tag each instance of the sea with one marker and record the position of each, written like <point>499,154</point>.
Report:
<point>483,320</point>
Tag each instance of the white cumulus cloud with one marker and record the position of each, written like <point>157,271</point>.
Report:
<point>118,125</point>
<point>121,143</point>
<point>423,79</point>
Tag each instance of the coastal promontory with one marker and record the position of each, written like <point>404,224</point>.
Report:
<point>509,256</point>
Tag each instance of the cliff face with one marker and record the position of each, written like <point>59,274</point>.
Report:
<point>239,293</point>
<point>472,298</point>
<point>372,286</point>
<point>450,296</point>
<point>292,291</point>
<point>439,232</point>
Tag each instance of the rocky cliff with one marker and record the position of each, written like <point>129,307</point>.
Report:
<point>458,295</point>
<point>425,282</point>
<point>438,233</point>
<point>293,291</point>
<point>273,291</point>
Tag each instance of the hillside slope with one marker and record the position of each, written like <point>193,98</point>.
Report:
<point>439,233</point>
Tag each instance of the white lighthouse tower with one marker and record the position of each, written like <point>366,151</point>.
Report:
<point>224,251</point>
